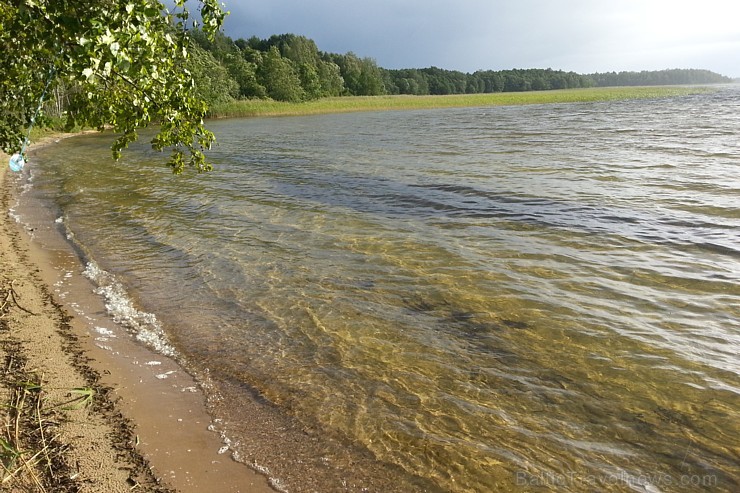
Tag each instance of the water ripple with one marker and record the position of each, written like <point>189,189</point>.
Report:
<point>465,297</point>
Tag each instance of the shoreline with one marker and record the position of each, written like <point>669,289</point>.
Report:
<point>260,449</point>
<point>248,108</point>
<point>108,414</point>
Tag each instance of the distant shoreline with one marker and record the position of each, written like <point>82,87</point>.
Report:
<point>247,108</point>
<point>347,104</point>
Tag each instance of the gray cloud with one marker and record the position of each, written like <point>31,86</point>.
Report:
<point>579,35</point>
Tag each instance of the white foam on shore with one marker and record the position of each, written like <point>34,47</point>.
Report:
<point>105,332</point>
<point>104,335</point>
<point>14,216</point>
<point>144,326</point>
<point>26,186</point>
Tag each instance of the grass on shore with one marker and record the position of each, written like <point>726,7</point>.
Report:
<point>261,107</point>
<point>346,104</point>
<point>32,457</point>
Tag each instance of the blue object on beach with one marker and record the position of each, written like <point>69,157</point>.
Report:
<point>17,162</point>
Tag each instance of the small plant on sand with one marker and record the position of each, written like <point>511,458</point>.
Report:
<point>81,397</point>
<point>24,408</point>
<point>8,456</point>
<point>31,457</point>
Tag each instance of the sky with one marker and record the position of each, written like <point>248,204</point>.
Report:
<point>583,36</point>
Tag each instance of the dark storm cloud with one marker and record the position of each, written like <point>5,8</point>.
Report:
<point>580,35</point>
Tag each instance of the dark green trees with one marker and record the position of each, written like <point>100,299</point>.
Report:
<point>362,76</point>
<point>280,77</point>
<point>289,67</point>
<point>660,77</point>
<point>214,82</point>
<point>434,80</point>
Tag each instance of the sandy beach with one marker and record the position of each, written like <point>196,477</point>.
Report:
<point>81,409</point>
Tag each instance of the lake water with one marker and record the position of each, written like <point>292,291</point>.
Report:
<point>533,298</point>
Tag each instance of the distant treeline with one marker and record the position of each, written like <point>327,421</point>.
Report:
<point>289,67</point>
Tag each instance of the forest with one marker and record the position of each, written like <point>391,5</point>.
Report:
<point>289,67</point>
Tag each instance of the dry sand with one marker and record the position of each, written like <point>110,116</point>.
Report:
<point>146,427</point>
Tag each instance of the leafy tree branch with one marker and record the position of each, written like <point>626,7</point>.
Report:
<point>127,61</point>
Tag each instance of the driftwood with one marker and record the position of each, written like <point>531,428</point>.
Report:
<point>10,296</point>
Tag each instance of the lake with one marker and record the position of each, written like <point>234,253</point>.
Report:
<point>529,298</point>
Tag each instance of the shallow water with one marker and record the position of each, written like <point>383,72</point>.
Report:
<point>539,298</point>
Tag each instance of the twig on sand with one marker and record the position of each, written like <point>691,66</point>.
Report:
<point>8,294</point>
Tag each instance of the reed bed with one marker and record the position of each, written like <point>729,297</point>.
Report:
<point>262,107</point>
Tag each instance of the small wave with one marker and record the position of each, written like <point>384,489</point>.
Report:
<point>620,219</point>
<point>410,203</point>
<point>145,326</point>
<point>13,210</point>
<point>14,215</point>
<point>717,248</point>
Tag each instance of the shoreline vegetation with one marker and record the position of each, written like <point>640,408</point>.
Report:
<point>345,104</point>
<point>50,128</point>
<point>247,108</point>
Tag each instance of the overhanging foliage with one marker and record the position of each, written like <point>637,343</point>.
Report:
<point>125,60</point>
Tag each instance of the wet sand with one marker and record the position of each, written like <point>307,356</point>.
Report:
<point>146,428</point>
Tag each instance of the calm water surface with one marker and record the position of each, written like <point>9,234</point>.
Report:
<point>469,300</point>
